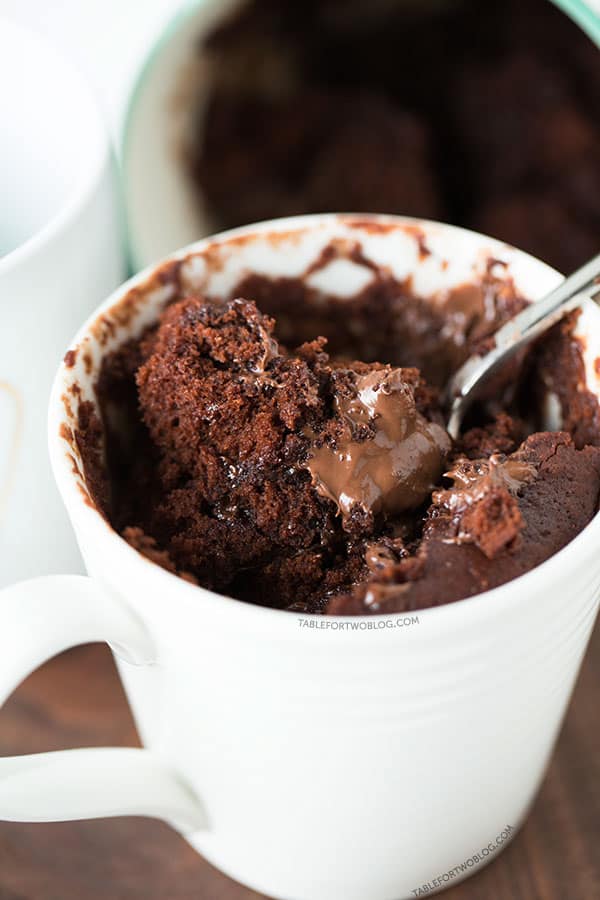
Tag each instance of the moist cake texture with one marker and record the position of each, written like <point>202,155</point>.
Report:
<point>285,474</point>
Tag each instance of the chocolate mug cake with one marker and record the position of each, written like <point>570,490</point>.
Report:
<point>483,115</point>
<point>287,447</point>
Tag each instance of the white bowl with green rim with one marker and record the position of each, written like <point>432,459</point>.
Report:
<point>164,208</point>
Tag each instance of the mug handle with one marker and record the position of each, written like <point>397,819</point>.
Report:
<point>39,618</point>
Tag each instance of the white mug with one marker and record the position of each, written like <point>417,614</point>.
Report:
<point>60,255</point>
<point>308,757</point>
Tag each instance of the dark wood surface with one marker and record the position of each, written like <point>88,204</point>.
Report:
<point>76,700</point>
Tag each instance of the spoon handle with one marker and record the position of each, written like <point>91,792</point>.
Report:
<point>539,316</point>
<point>519,331</point>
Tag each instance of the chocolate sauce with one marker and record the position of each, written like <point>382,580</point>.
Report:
<point>395,469</point>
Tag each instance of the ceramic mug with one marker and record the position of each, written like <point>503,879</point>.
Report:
<point>309,757</point>
<point>60,255</point>
<point>165,208</point>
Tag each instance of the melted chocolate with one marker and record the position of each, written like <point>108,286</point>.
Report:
<point>396,468</point>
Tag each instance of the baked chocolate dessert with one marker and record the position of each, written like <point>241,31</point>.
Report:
<point>500,517</point>
<point>291,476</point>
<point>479,114</point>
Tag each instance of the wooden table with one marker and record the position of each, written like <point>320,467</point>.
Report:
<point>76,700</point>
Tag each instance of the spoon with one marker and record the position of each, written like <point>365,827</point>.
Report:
<point>466,384</point>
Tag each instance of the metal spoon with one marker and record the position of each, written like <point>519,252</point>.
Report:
<point>530,323</point>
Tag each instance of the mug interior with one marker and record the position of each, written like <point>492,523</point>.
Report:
<point>48,148</point>
<point>295,248</point>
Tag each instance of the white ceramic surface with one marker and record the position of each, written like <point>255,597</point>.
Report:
<point>310,758</point>
<point>60,254</point>
<point>164,208</point>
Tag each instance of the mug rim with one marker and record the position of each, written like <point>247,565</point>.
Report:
<point>76,200</point>
<point>484,604</point>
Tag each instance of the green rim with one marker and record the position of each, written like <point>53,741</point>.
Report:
<point>577,10</point>
<point>583,14</point>
<point>186,12</point>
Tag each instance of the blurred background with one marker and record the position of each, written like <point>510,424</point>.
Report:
<point>105,38</point>
<point>480,114</point>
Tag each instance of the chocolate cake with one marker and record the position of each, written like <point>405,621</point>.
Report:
<point>499,518</point>
<point>478,114</point>
<point>287,475</point>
